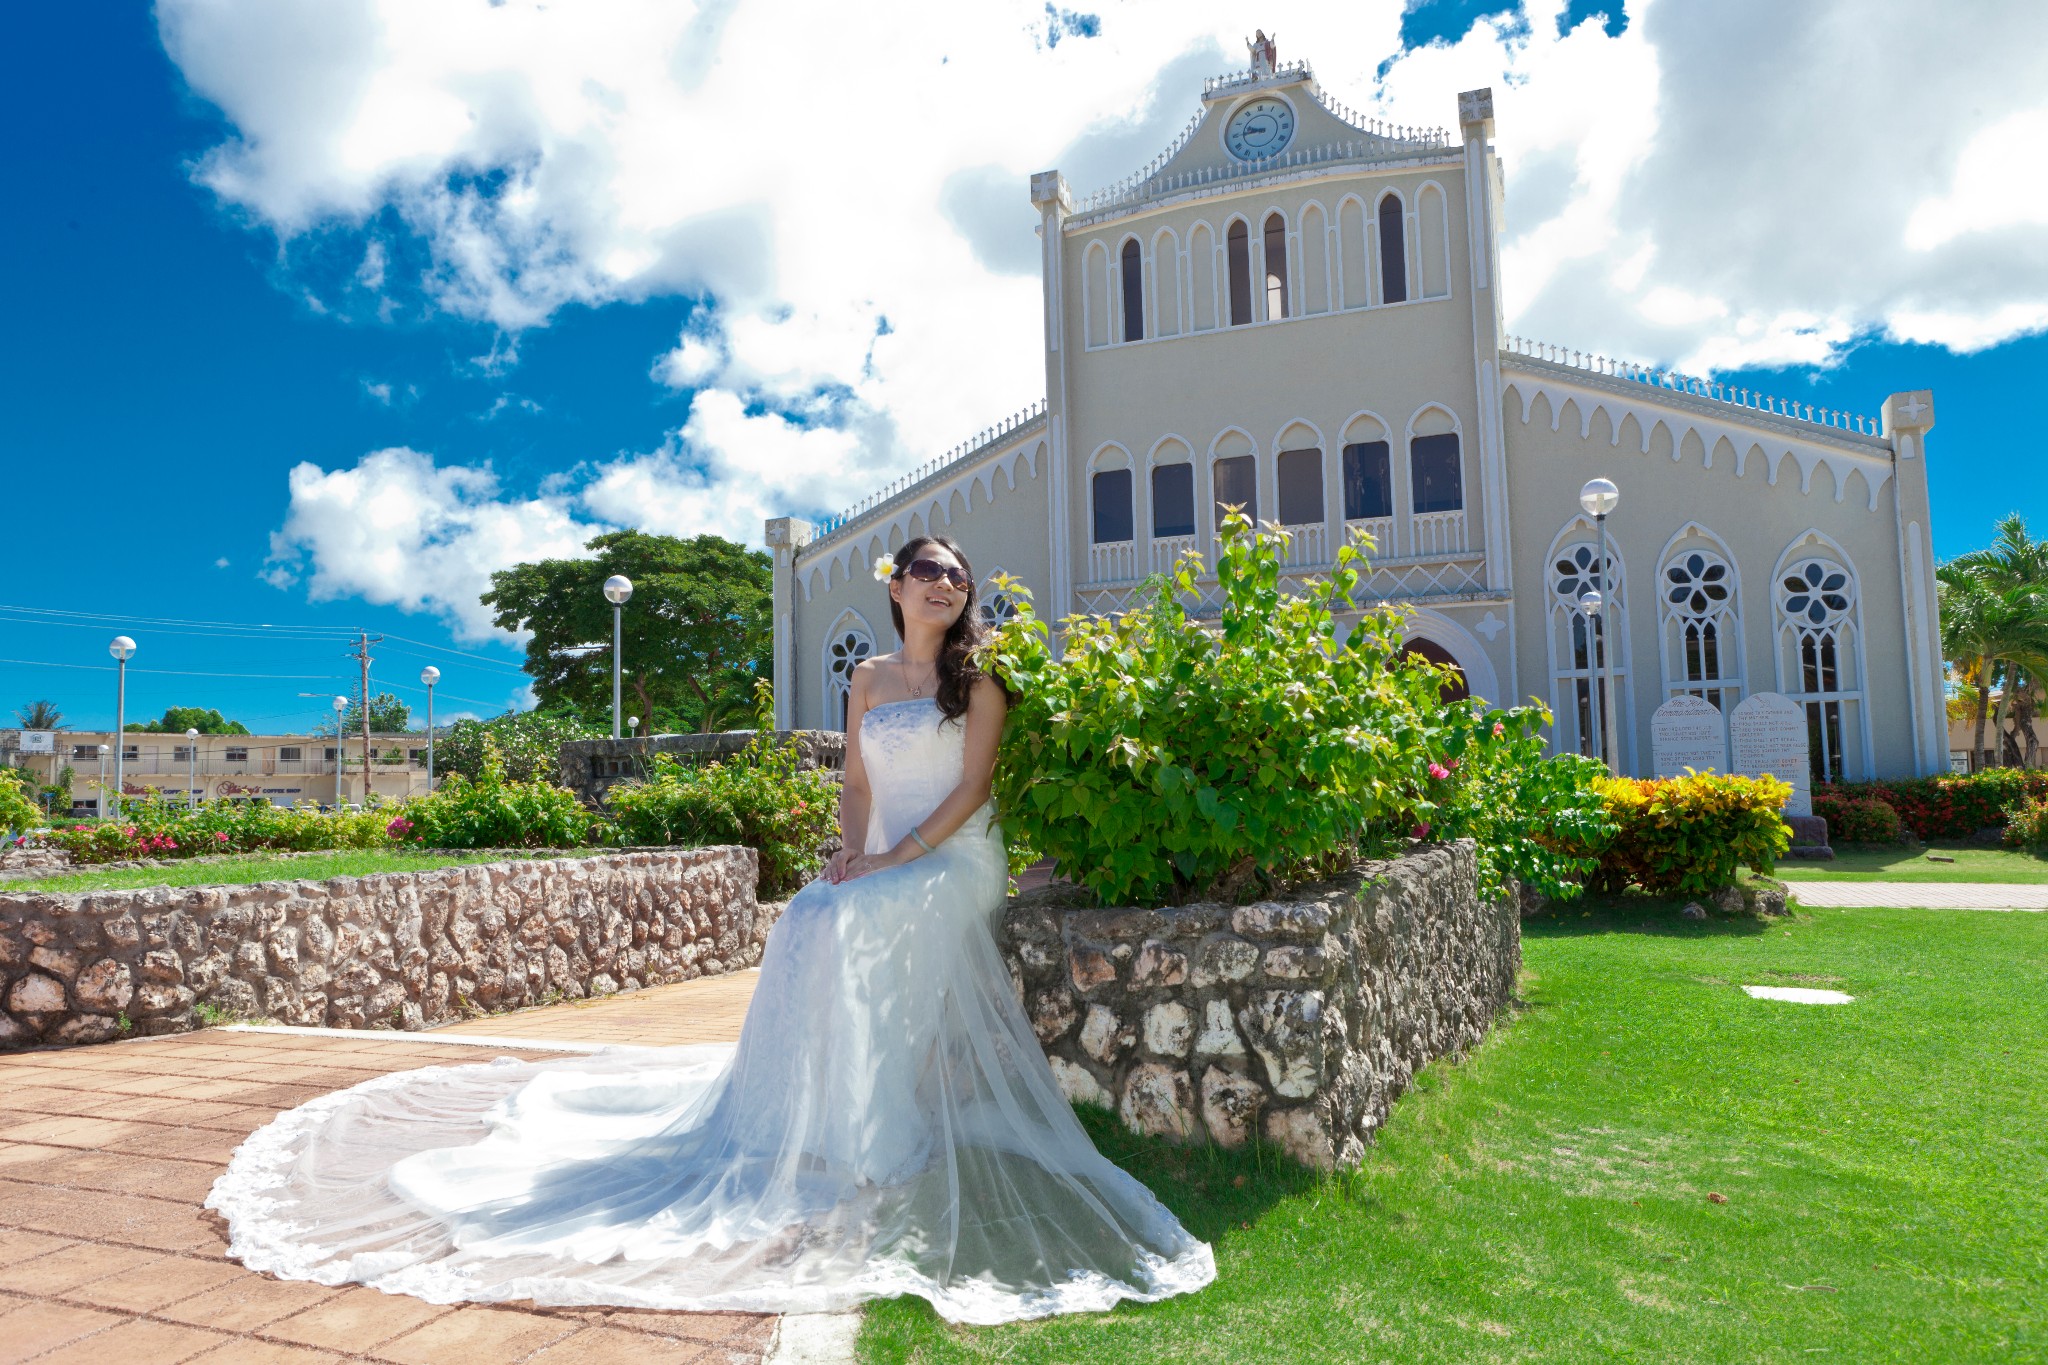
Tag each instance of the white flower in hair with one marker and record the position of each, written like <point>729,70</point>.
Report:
<point>885,568</point>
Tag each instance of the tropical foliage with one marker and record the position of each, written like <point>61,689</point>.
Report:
<point>696,632</point>
<point>177,720</point>
<point>1162,757</point>
<point>1859,819</point>
<point>40,715</point>
<point>152,827</point>
<point>527,743</point>
<point>492,811</point>
<point>1994,626</point>
<point>388,716</point>
<point>1691,835</point>
<point>1947,807</point>
<point>18,808</point>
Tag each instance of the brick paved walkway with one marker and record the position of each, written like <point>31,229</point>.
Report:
<point>1922,895</point>
<point>106,1155</point>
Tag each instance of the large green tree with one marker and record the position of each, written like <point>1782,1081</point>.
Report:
<point>696,630</point>
<point>178,719</point>
<point>41,715</point>
<point>388,716</point>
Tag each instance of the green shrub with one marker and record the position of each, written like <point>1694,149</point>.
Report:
<point>761,798</point>
<point>1952,806</point>
<point>1858,819</point>
<point>1161,758</point>
<point>18,809</point>
<point>153,827</point>
<point>492,812</point>
<point>2026,825</point>
<point>1690,835</point>
<point>529,745</point>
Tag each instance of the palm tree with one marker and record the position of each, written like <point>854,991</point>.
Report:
<point>1999,597</point>
<point>41,715</point>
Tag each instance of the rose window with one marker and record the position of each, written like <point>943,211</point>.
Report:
<point>1577,573</point>
<point>1815,593</point>
<point>847,652</point>
<point>1697,585</point>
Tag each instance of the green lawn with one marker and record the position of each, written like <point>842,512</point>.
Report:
<point>265,867</point>
<point>1885,1166</point>
<point>1880,864</point>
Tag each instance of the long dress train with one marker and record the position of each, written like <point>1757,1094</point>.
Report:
<point>886,1125</point>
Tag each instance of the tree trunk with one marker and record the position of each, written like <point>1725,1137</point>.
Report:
<point>1998,725</point>
<point>1983,713</point>
<point>2023,707</point>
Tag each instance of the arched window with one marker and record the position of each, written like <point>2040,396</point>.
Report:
<point>1368,481</point>
<point>1393,251</point>
<point>1240,253</point>
<point>1173,500</point>
<point>1112,497</point>
<point>997,606</point>
<point>1133,270</point>
<point>1112,556</point>
<point>1299,474</point>
<point>1579,661</point>
<point>847,644</point>
<point>1436,475</point>
<point>1237,485</point>
<point>1699,621</point>
<point>1276,266</point>
<point>1819,654</point>
<point>1095,303</point>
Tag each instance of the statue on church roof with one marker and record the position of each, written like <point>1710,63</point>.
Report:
<point>1265,54</point>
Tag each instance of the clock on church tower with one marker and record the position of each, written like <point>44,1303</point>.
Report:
<point>1259,129</point>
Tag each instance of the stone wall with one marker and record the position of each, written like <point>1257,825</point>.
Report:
<point>397,950</point>
<point>1301,1020</point>
<point>591,767</point>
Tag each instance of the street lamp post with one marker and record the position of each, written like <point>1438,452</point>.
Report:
<point>123,649</point>
<point>632,725</point>
<point>430,675</point>
<point>617,589</point>
<point>340,706</point>
<point>1589,605</point>
<point>1598,498</point>
<point>191,770</point>
<point>102,802</point>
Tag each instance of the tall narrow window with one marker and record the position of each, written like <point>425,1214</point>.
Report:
<point>1368,481</point>
<point>1579,662</point>
<point>847,646</point>
<point>1300,476</point>
<point>1240,274</point>
<point>1134,292</point>
<point>1276,266</point>
<point>1435,475</point>
<point>1700,628</point>
<point>1393,252</point>
<point>1173,500</point>
<point>1113,522</point>
<point>1237,485</point>
<point>1817,619</point>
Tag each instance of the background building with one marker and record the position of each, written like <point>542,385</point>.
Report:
<point>1297,310</point>
<point>281,769</point>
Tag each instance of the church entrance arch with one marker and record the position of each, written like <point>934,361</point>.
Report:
<point>1438,638</point>
<point>1457,688</point>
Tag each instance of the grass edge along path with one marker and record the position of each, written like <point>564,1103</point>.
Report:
<point>1551,1198</point>
<point>1910,863</point>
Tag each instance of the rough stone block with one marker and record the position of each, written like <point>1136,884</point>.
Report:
<point>1230,1106</point>
<point>1159,1102</point>
<point>1168,1029</point>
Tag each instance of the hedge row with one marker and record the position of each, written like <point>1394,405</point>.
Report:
<point>1947,807</point>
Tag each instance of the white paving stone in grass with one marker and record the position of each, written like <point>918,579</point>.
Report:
<point>1922,895</point>
<point>1798,995</point>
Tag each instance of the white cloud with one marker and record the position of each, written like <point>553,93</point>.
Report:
<point>398,530</point>
<point>221,563</point>
<point>1740,184</point>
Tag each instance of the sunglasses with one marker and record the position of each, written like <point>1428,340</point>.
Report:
<point>931,571</point>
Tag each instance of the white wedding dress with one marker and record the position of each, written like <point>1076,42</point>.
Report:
<point>886,1125</point>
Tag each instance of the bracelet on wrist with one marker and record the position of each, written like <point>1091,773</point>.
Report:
<point>920,840</point>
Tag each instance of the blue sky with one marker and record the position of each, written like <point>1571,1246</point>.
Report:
<point>186,327</point>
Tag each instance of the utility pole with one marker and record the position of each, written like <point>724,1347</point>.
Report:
<point>362,655</point>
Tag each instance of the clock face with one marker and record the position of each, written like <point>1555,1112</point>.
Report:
<point>1259,129</point>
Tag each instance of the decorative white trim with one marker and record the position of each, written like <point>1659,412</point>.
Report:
<point>1830,548</point>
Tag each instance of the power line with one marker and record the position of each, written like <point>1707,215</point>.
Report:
<point>133,620</point>
<point>166,672</point>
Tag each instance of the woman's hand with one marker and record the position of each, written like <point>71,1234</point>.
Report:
<point>835,870</point>
<point>845,867</point>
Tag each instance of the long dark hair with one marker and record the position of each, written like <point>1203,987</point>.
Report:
<point>958,668</point>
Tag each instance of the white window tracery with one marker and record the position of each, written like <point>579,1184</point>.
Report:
<point>847,646</point>
<point>1579,649</point>
<point>1699,617</point>
<point>1820,654</point>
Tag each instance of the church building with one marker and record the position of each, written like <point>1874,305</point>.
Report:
<point>1296,310</point>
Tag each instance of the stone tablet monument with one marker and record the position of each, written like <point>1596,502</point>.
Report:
<point>1688,732</point>
<point>1768,735</point>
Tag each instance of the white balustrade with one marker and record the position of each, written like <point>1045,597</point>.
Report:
<point>1381,529</point>
<point>1437,533</point>
<point>1167,550</point>
<point>1308,545</point>
<point>1114,561</point>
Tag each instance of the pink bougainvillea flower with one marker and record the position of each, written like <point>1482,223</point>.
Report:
<point>1438,770</point>
<point>1499,729</point>
<point>1421,831</point>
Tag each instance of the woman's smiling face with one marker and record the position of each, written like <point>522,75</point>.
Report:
<point>937,604</point>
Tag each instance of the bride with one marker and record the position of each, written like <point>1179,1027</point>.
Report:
<point>886,1124</point>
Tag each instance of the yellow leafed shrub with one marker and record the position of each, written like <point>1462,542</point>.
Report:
<point>1689,835</point>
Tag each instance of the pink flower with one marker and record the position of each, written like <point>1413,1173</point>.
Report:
<point>1438,770</point>
<point>1499,729</point>
<point>1421,831</point>
<point>222,836</point>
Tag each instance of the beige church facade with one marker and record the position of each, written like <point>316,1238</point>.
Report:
<point>1297,310</point>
